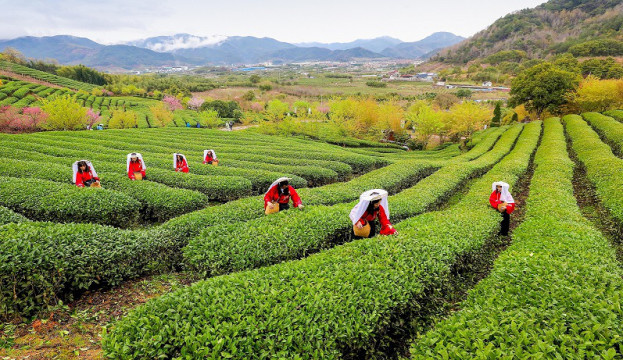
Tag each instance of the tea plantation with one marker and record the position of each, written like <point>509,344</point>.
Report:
<point>298,284</point>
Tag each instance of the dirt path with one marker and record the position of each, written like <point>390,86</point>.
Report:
<point>28,79</point>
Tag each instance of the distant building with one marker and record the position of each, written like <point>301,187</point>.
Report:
<point>487,84</point>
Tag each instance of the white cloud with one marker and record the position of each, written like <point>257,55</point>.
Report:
<point>185,42</point>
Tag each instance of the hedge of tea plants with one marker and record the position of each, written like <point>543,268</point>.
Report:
<point>603,168</point>
<point>334,304</point>
<point>610,129</point>
<point>554,293</point>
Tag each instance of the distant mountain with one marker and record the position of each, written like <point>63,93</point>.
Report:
<point>424,47</point>
<point>187,49</point>
<point>582,27</point>
<point>322,54</point>
<point>375,45</point>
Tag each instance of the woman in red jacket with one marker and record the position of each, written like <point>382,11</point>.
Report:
<point>85,175</point>
<point>209,157</point>
<point>136,166</point>
<point>372,205</point>
<point>502,200</point>
<point>179,163</point>
<point>280,193</point>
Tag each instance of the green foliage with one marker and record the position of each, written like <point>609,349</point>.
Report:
<point>64,113</point>
<point>464,93</point>
<point>348,293</point>
<point>497,115</point>
<point>376,84</point>
<point>122,120</point>
<point>49,201</point>
<point>506,55</point>
<point>556,286</point>
<point>601,47</point>
<point>54,79</point>
<point>603,168</point>
<point>602,68</point>
<point>225,109</point>
<point>8,216</point>
<point>210,119</point>
<point>543,87</point>
<point>83,74</point>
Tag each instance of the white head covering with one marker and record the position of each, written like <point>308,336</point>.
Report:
<point>175,159</point>
<point>205,153</point>
<point>505,195</point>
<point>74,167</point>
<point>281,179</point>
<point>139,156</point>
<point>364,201</point>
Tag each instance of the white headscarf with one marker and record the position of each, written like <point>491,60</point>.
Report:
<point>175,159</point>
<point>205,153</point>
<point>364,201</point>
<point>281,179</point>
<point>139,156</point>
<point>74,167</point>
<point>505,195</point>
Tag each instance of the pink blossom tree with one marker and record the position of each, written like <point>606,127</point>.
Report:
<point>195,103</point>
<point>92,118</point>
<point>172,102</point>
<point>257,107</point>
<point>36,115</point>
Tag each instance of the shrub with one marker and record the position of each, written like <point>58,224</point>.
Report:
<point>122,119</point>
<point>8,216</point>
<point>64,113</point>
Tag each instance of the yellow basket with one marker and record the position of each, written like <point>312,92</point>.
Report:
<point>96,185</point>
<point>363,232</point>
<point>271,208</point>
<point>502,206</point>
<point>138,176</point>
<point>215,162</point>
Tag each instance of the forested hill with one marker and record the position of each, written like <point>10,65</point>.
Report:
<point>581,27</point>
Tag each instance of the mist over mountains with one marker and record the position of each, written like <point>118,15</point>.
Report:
<point>187,49</point>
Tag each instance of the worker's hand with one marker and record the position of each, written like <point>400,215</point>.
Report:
<point>301,206</point>
<point>359,226</point>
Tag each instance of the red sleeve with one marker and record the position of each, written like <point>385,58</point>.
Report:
<point>185,167</point>
<point>131,173</point>
<point>296,199</point>
<point>510,208</point>
<point>270,195</point>
<point>79,182</point>
<point>386,226</point>
<point>493,199</point>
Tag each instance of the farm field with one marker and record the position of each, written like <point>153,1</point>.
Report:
<point>192,244</point>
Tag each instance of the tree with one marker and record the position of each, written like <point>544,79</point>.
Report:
<point>276,110</point>
<point>225,109</point>
<point>249,96</point>
<point>254,79</point>
<point>446,100</point>
<point>497,115</point>
<point>464,93</point>
<point>64,113</point>
<point>36,115</point>
<point>210,119</point>
<point>464,119</point>
<point>92,117</point>
<point>172,102</point>
<point>543,87</point>
<point>598,95</point>
<point>122,119</point>
<point>425,121</point>
<point>161,114</point>
<point>13,55</point>
<point>195,103</point>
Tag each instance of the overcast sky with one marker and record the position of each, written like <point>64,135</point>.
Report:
<point>114,21</point>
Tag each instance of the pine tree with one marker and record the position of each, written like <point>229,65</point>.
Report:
<point>497,116</point>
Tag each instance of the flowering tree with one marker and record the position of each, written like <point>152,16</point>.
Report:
<point>36,115</point>
<point>172,102</point>
<point>257,107</point>
<point>92,117</point>
<point>195,103</point>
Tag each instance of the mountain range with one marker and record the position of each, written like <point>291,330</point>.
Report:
<point>186,49</point>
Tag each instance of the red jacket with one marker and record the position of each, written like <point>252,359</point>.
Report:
<point>273,195</point>
<point>182,166</point>
<point>136,166</point>
<point>386,228</point>
<point>494,200</point>
<point>208,159</point>
<point>82,177</point>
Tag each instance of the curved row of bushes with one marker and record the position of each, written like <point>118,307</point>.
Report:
<point>158,202</point>
<point>603,169</point>
<point>336,304</point>
<point>609,129</point>
<point>50,201</point>
<point>294,234</point>
<point>41,75</point>
<point>554,293</point>
<point>8,216</point>
<point>218,188</point>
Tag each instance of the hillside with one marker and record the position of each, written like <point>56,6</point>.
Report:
<point>582,27</point>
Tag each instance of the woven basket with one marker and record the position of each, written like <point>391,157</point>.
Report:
<point>271,208</point>
<point>138,176</point>
<point>502,206</point>
<point>363,232</point>
<point>95,185</point>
